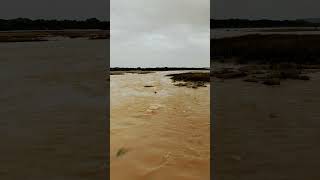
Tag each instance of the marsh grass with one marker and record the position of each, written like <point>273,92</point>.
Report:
<point>191,77</point>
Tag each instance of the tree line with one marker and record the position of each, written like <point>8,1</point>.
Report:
<point>245,23</point>
<point>42,24</point>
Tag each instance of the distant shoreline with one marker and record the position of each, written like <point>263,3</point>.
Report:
<point>267,48</point>
<point>262,23</point>
<point>156,69</point>
<point>45,35</point>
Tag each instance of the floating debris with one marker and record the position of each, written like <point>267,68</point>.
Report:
<point>121,152</point>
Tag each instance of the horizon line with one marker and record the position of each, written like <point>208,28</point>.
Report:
<point>57,19</point>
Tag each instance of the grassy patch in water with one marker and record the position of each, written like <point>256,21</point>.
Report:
<point>191,77</point>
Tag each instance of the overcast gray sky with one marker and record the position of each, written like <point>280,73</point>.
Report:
<point>160,33</point>
<point>82,9</point>
<point>271,9</point>
<point>54,9</point>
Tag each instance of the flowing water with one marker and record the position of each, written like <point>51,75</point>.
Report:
<point>53,110</point>
<point>264,132</point>
<point>158,132</point>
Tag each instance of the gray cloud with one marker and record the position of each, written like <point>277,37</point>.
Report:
<point>272,9</point>
<point>149,33</point>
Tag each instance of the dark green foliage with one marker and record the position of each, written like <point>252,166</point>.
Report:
<point>41,24</point>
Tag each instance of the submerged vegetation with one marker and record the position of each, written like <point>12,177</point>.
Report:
<point>271,74</point>
<point>191,79</point>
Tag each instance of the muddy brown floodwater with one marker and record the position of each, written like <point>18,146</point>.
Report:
<point>158,131</point>
<point>266,132</point>
<point>53,110</point>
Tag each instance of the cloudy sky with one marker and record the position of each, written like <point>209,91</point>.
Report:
<point>160,33</point>
<point>271,9</point>
<point>54,9</point>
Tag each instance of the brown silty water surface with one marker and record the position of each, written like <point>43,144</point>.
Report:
<point>158,132</point>
<point>53,110</point>
<point>266,132</point>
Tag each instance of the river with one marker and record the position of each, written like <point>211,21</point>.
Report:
<point>158,130</point>
<point>53,109</point>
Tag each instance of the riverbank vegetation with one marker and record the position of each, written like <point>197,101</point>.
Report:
<point>42,24</point>
<point>272,48</point>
